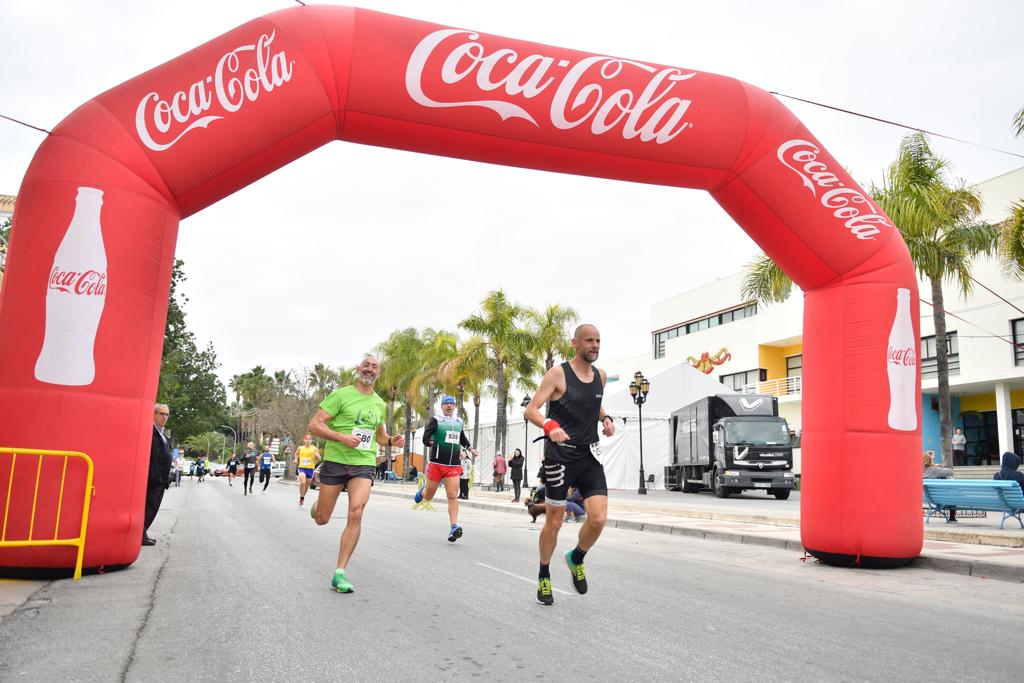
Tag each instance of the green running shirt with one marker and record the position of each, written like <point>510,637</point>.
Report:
<point>353,412</point>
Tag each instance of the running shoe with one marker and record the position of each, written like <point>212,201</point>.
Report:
<point>302,501</point>
<point>340,582</point>
<point>418,498</point>
<point>579,577</point>
<point>544,594</point>
<point>455,533</point>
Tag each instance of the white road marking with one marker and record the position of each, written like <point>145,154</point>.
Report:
<point>521,578</point>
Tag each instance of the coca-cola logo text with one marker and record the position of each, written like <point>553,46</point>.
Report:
<point>87,283</point>
<point>583,92</point>
<point>231,85</point>
<point>848,204</point>
<point>905,356</point>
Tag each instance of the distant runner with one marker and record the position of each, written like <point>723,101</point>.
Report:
<point>445,437</point>
<point>232,469</point>
<point>306,458</point>
<point>249,460</point>
<point>267,461</point>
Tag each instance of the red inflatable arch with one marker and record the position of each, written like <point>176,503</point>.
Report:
<point>85,294</point>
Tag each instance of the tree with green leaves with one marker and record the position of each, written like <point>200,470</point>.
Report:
<point>188,376</point>
<point>5,239</point>
<point>937,218</point>
<point>400,363</point>
<point>1011,241</point>
<point>552,332</point>
<point>469,371</point>
<point>509,349</point>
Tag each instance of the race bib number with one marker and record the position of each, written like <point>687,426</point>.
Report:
<point>595,449</point>
<point>365,439</point>
<point>452,437</point>
<point>250,465</point>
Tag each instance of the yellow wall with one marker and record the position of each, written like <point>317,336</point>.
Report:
<point>987,402</point>
<point>773,358</point>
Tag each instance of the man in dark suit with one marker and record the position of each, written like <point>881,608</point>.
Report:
<point>159,469</point>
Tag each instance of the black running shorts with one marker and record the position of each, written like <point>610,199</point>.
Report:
<point>584,472</point>
<point>337,474</point>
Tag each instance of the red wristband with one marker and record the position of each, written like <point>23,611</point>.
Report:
<point>550,426</point>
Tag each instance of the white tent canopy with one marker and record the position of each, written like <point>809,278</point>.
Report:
<point>670,390</point>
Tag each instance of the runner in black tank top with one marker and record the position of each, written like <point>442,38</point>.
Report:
<point>574,390</point>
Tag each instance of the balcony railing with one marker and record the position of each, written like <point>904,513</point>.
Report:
<point>784,386</point>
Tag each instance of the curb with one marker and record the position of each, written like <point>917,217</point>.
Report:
<point>940,563</point>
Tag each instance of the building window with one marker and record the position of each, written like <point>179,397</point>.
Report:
<point>738,380</point>
<point>929,360</point>
<point>1017,327</point>
<point>794,365</point>
<point>715,320</point>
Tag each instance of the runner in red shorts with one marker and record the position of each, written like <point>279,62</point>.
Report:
<point>446,438</point>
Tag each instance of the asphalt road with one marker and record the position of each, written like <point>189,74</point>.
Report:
<point>237,588</point>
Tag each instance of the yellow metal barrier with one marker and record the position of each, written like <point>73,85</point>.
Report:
<point>30,542</point>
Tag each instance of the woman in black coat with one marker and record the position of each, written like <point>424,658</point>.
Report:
<point>515,468</point>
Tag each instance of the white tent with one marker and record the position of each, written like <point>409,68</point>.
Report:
<point>670,390</point>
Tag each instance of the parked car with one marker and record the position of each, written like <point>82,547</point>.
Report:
<point>277,469</point>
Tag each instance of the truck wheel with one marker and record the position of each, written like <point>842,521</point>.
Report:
<point>721,491</point>
<point>781,494</point>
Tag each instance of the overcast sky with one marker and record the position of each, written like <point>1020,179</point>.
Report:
<point>322,259</point>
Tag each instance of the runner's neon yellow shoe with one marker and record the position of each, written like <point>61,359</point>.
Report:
<point>579,576</point>
<point>340,582</point>
<point>544,594</point>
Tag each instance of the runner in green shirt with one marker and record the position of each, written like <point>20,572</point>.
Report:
<point>351,420</point>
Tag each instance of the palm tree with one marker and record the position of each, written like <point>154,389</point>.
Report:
<point>400,361</point>
<point>550,331</point>
<point>937,221</point>
<point>323,380</point>
<point>469,370</point>
<point>439,348</point>
<point>508,348</point>
<point>1011,241</point>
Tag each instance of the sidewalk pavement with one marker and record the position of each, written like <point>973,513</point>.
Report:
<point>974,546</point>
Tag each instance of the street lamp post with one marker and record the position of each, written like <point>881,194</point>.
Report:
<point>638,389</point>
<point>526,442</point>
<point>234,435</point>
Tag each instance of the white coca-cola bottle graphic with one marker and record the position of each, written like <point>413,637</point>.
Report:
<point>901,363</point>
<point>75,293</point>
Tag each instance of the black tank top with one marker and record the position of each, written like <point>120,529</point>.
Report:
<point>578,408</point>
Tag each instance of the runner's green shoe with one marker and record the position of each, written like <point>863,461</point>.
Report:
<point>579,577</point>
<point>544,595</point>
<point>341,583</point>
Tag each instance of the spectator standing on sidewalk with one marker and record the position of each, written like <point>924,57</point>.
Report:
<point>515,473</point>
<point>959,449</point>
<point>500,468</point>
<point>467,472</point>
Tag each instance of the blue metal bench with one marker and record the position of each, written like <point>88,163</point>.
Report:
<point>974,494</point>
<point>389,475</point>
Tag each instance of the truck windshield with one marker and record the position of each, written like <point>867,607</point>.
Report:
<point>759,433</point>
